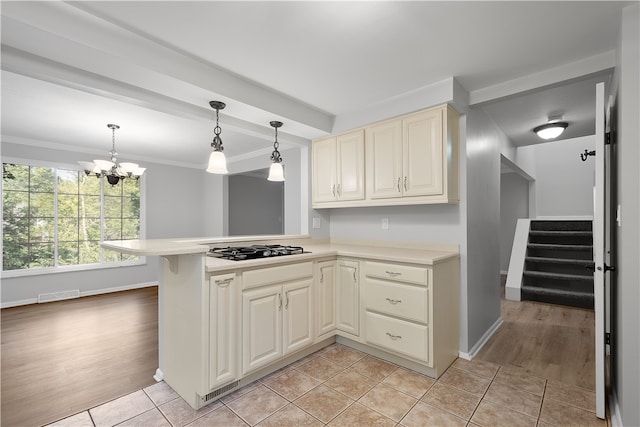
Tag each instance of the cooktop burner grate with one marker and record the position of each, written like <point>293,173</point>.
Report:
<point>255,251</point>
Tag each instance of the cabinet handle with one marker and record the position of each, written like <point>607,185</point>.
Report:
<point>333,190</point>
<point>286,304</point>
<point>393,273</point>
<point>398,184</point>
<point>355,280</point>
<point>405,184</point>
<point>224,282</point>
<point>321,276</point>
<point>280,301</point>
<point>394,301</point>
<point>338,188</point>
<point>394,337</point>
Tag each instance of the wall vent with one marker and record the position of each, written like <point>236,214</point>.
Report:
<point>211,396</point>
<point>57,296</point>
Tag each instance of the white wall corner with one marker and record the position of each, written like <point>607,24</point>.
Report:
<point>482,341</point>
<point>516,262</point>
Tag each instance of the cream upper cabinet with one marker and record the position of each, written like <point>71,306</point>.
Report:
<point>384,155</point>
<point>422,149</point>
<point>338,168</point>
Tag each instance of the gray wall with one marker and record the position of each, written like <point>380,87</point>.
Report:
<point>166,188</point>
<point>626,345</point>
<point>514,204</point>
<point>256,205</point>
<point>564,183</point>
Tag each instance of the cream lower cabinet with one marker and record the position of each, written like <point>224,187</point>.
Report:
<point>347,297</point>
<point>326,298</point>
<point>276,319</point>
<point>412,311</point>
<point>223,330</point>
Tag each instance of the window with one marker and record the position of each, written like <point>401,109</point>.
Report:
<point>55,218</point>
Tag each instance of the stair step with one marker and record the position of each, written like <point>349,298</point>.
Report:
<point>556,276</point>
<point>581,262</point>
<point>569,251</point>
<point>579,225</point>
<point>561,233</point>
<point>583,267</point>
<point>556,296</point>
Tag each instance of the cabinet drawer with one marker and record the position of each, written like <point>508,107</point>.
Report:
<point>400,273</point>
<point>276,275</point>
<point>398,336</point>
<point>396,299</point>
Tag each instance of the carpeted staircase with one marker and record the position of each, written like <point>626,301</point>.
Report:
<point>559,263</point>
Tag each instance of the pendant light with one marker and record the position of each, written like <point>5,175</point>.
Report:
<point>217,160</point>
<point>111,169</point>
<point>276,173</point>
<point>552,129</point>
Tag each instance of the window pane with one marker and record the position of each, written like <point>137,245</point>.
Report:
<point>68,253</point>
<point>89,229</point>
<point>41,205</point>
<point>67,205</point>
<point>89,252</point>
<point>127,257</point>
<point>40,255</point>
<point>67,182</point>
<point>15,255</point>
<point>131,207</point>
<point>130,228</point>
<point>42,179</point>
<point>113,229</point>
<point>15,177</point>
<point>89,206</point>
<point>112,207</point>
<point>112,190</point>
<point>15,203</point>
<point>131,188</point>
<point>67,229</point>
<point>41,230</point>
<point>89,184</point>
<point>111,256</point>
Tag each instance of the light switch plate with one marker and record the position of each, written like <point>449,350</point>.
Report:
<point>316,223</point>
<point>385,223</point>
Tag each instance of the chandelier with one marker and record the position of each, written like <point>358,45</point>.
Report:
<point>217,160</point>
<point>112,170</point>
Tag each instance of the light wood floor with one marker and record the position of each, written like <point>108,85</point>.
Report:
<point>550,341</point>
<point>63,357</point>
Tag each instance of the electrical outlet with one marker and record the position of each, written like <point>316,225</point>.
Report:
<point>385,223</point>
<point>316,223</point>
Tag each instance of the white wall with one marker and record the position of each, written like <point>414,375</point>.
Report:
<point>514,204</point>
<point>626,344</point>
<point>483,145</point>
<point>166,187</point>
<point>564,183</point>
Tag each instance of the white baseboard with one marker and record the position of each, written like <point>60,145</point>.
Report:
<point>614,409</point>
<point>482,341</point>
<point>82,294</point>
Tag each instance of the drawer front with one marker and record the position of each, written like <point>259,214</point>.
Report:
<point>276,275</point>
<point>400,273</point>
<point>396,299</point>
<point>398,336</point>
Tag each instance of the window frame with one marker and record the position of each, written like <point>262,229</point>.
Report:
<point>74,267</point>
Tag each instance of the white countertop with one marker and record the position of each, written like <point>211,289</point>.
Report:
<point>313,249</point>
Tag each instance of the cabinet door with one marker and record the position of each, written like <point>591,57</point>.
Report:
<point>223,330</point>
<point>261,327</point>
<point>347,298</point>
<point>350,179</point>
<point>422,148</point>
<point>324,154</point>
<point>326,303</point>
<point>384,160</point>
<point>297,315</point>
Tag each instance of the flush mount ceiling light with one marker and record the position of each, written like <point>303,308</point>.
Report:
<point>112,170</point>
<point>552,129</point>
<point>217,160</point>
<point>276,173</point>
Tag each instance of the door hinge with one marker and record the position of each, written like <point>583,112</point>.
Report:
<point>607,338</point>
<point>607,138</point>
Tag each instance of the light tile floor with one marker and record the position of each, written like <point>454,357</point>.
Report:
<point>339,386</point>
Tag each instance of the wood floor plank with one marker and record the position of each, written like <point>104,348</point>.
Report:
<point>67,356</point>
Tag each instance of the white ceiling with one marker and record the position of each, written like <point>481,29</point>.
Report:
<point>68,69</point>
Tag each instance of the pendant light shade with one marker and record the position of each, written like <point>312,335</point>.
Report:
<point>551,130</point>
<point>217,160</point>
<point>111,169</point>
<point>276,171</point>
